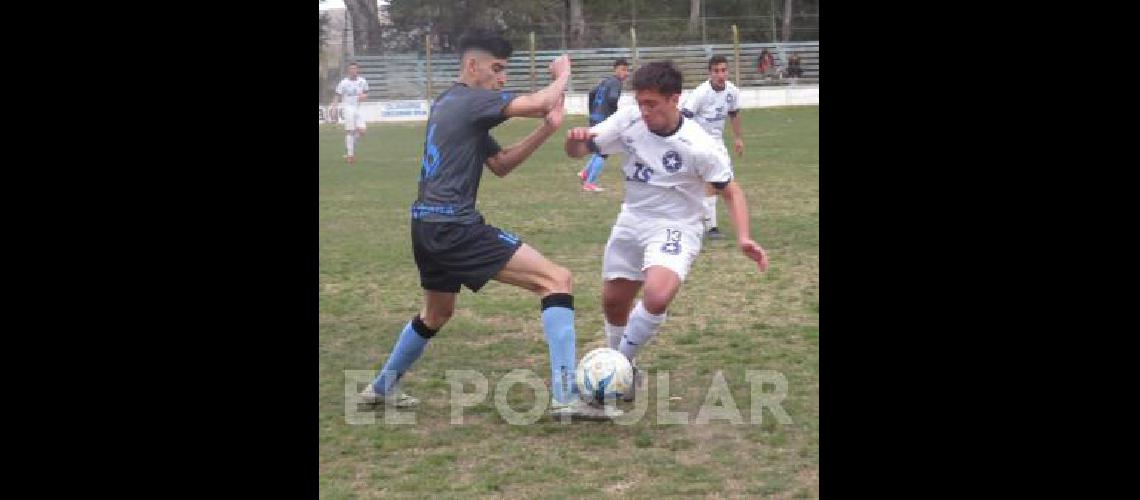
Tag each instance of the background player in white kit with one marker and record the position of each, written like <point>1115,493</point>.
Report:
<point>709,104</point>
<point>668,160</point>
<point>354,89</point>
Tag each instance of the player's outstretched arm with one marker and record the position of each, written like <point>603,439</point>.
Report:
<point>508,158</point>
<point>538,104</point>
<point>738,212</point>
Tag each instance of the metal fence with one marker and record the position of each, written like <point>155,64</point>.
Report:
<point>407,76</point>
<point>609,27</point>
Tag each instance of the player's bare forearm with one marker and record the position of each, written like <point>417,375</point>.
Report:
<point>737,134</point>
<point>507,159</point>
<point>737,210</point>
<point>552,94</point>
<point>540,103</point>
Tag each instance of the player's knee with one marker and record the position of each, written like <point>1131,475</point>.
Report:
<point>616,312</point>
<point>563,279</point>
<point>559,280</point>
<point>614,305</point>
<point>436,318</point>
<point>656,302</point>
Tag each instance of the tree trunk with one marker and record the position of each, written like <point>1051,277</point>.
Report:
<point>694,15</point>
<point>366,25</point>
<point>772,18</point>
<point>787,20</point>
<point>577,25</point>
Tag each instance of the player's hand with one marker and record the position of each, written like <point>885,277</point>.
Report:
<point>579,134</point>
<point>554,117</point>
<point>559,66</point>
<point>738,146</point>
<point>755,252</point>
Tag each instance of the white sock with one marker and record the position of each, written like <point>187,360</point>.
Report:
<point>613,335</point>
<point>642,327</point>
<point>710,212</point>
<point>350,142</point>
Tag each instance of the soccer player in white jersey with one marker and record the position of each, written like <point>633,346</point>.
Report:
<point>668,160</point>
<point>709,104</point>
<point>354,90</point>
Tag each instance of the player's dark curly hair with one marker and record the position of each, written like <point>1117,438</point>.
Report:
<point>660,76</point>
<point>485,40</point>
<point>714,60</point>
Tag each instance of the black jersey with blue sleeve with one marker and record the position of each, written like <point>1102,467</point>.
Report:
<point>604,99</point>
<point>456,147</point>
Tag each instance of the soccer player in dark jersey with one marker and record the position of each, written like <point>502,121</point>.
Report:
<point>452,244</point>
<point>603,103</point>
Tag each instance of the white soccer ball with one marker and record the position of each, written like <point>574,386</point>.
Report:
<point>604,374</point>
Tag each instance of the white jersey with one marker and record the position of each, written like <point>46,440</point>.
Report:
<point>665,176</point>
<point>350,90</point>
<point>710,108</point>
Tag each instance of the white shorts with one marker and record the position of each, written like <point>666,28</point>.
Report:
<point>353,118</point>
<point>632,250</point>
<point>724,149</point>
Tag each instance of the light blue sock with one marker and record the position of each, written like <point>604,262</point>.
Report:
<point>558,323</point>
<point>409,347</point>
<point>596,164</point>
<point>589,166</point>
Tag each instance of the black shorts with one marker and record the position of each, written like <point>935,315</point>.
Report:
<point>449,255</point>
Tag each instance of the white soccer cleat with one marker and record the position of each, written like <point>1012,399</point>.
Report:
<point>581,410</point>
<point>369,396</point>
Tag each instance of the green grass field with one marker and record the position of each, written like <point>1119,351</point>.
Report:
<point>728,317</point>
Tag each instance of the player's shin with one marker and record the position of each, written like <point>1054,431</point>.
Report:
<point>642,327</point>
<point>558,323</point>
<point>614,334</point>
<point>596,164</point>
<point>409,347</point>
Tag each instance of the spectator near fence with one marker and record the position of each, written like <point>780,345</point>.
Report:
<point>766,64</point>
<point>794,69</point>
